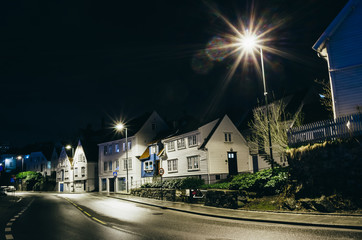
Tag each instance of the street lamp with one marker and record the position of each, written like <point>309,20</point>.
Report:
<point>68,147</point>
<point>249,42</point>
<point>119,127</point>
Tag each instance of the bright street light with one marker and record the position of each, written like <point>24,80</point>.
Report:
<point>119,127</point>
<point>249,42</point>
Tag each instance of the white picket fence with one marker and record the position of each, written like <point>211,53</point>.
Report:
<point>343,127</point>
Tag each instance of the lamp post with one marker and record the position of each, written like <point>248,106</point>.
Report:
<point>120,127</point>
<point>249,42</point>
<point>68,147</point>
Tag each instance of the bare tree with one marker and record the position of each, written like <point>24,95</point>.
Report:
<point>279,125</point>
<point>325,95</point>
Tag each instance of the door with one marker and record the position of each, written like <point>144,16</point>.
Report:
<point>255,163</point>
<point>61,187</point>
<point>111,184</point>
<point>233,164</point>
<point>121,184</point>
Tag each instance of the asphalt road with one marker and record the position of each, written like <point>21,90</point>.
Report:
<point>89,216</point>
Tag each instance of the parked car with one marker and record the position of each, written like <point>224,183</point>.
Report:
<point>11,189</point>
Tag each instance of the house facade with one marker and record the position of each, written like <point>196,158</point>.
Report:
<point>150,162</point>
<point>340,45</point>
<point>210,152</point>
<point>112,162</point>
<point>37,162</point>
<point>64,176</point>
<point>75,174</point>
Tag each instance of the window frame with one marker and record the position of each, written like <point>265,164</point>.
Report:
<point>172,165</point>
<point>191,160</point>
<point>192,140</point>
<point>181,143</point>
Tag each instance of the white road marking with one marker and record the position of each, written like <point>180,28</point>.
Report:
<point>9,237</point>
<point>8,229</point>
<point>9,224</point>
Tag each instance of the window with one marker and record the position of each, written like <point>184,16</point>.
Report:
<point>83,171</point>
<point>117,165</point>
<point>110,149</point>
<point>172,165</point>
<point>148,165</point>
<point>153,126</point>
<point>181,143</point>
<point>105,166</point>
<point>124,146</point>
<point>110,165</point>
<point>153,149</point>
<point>75,172</point>
<point>227,137</point>
<point>192,140</point>
<point>104,184</point>
<point>105,150</point>
<point>66,174</point>
<point>193,163</point>
<point>129,145</point>
<point>129,164</point>
<point>116,148</point>
<point>171,146</point>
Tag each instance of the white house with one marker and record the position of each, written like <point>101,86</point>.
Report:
<point>64,173</point>
<point>210,152</point>
<point>341,46</point>
<point>75,174</point>
<point>84,171</point>
<point>112,163</point>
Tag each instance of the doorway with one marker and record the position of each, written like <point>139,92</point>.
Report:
<point>233,164</point>
<point>111,184</point>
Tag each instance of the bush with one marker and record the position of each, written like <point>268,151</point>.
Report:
<point>263,182</point>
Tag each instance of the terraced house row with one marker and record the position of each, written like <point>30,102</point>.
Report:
<point>210,151</point>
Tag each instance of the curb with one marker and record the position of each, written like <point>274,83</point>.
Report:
<point>339,226</point>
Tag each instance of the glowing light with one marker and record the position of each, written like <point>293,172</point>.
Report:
<point>68,147</point>
<point>119,126</point>
<point>248,41</point>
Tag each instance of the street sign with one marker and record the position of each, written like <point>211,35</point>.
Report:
<point>161,171</point>
<point>114,174</point>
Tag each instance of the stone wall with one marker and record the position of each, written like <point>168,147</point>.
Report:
<point>222,198</point>
<point>155,193</point>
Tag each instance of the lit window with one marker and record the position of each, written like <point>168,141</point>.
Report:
<point>192,140</point>
<point>129,145</point>
<point>172,165</point>
<point>116,147</point>
<point>124,146</point>
<point>110,149</point>
<point>193,163</point>
<point>83,171</point>
<point>181,143</point>
<point>148,166</point>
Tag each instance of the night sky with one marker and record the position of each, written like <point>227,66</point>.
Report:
<point>67,64</point>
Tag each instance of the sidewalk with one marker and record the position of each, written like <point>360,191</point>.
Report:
<point>303,219</point>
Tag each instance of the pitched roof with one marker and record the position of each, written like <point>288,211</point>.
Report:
<point>320,44</point>
<point>206,140</point>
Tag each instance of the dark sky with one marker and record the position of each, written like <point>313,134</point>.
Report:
<point>66,64</point>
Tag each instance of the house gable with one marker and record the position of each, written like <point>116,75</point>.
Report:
<point>341,45</point>
<point>227,138</point>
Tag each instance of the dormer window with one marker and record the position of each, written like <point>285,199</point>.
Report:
<point>192,140</point>
<point>171,146</point>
